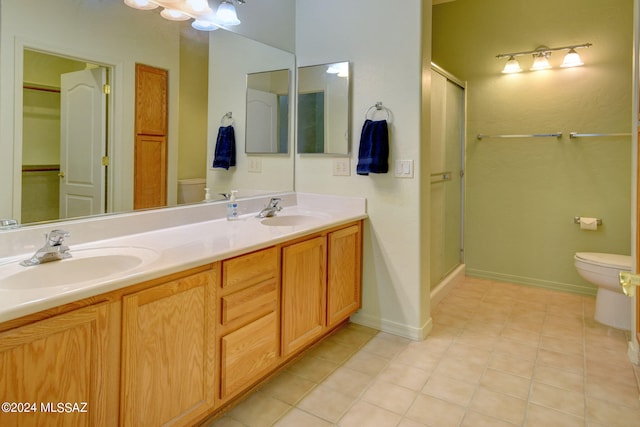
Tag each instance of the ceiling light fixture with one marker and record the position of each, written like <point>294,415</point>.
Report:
<point>541,58</point>
<point>204,18</point>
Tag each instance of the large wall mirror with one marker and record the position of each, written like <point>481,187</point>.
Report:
<point>267,127</point>
<point>41,40</point>
<point>323,109</point>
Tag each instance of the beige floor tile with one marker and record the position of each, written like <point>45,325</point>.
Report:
<point>559,378</point>
<point>567,362</point>
<point>226,421</point>
<point>434,412</point>
<point>521,349</point>
<point>562,400</point>
<point>540,416</point>
<point>351,337</point>
<point>449,389</point>
<point>288,387</point>
<point>563,345</point>
<point>312,368</point>
<point>326,403</point>
<point>419,358</point>
<point>332,351</point>
<point>365,414</point>
<point>406,422</point>
<point>451,320</point>
<point>386,345</point>
<point>476,419</point>
<point>610,414</point>
<point>470,353</point>
<point>298,418</point>
<point>523,332</point>
<point>503,382</point>
<point>513,365</point>
<point>404,376</point>
<point>367,363</point>
<point>506,408</point>
<point>460,370</point>
<point>259,410</point>
<point>348,381</point>
<point>390,396</point>
<point>612,390</point>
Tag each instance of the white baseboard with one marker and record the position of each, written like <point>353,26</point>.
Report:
<point>395,328</point>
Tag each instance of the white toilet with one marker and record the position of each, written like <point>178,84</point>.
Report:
<point>191,190</point>
<point>613,308</point>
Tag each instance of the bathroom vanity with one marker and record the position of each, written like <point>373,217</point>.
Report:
<point>192,331</point>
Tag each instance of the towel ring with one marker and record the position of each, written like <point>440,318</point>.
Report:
<point>377,107</point>
<point>228,116</point>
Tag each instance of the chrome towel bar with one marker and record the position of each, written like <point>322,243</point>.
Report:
<point>584,135</point>
<point>532,135</point>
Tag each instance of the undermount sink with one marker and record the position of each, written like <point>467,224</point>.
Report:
<point>290,220</point>
<point>83,266</point>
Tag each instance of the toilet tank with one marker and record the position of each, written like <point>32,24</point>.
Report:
<point>191,190</point>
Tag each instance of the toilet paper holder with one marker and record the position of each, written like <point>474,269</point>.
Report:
<point>576,220</point>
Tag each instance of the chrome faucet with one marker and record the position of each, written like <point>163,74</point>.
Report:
<point>271,209</point>
<point>53,249</point>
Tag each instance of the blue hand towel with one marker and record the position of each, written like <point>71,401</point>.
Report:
<point>225,152</point>
<point>373,155</point>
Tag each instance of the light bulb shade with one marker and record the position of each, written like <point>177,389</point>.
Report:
<point>140,4</point>
<point>512,66</point>
<point>204,25</point>
<point>572,59</point>
<point>174,15</point>
<point>199,6</point>
<point>226,14</point>
<point>540,62</point>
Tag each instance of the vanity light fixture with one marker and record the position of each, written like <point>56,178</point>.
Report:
<point>541,58</point>
<point>204,18</point>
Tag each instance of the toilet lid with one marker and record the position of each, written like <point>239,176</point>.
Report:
<point>606,260</point>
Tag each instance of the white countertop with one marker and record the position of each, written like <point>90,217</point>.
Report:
<point>175,248</point>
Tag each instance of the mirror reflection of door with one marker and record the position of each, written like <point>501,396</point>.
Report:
<point>44,183</point>
<point>262,121</point>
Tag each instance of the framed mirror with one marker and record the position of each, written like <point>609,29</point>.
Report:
<point>323,109</point>
<point>267,124</point>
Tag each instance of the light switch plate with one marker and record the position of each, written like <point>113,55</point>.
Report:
<point>255,165</point>
<point>341,167</point>
<point>404,169</point>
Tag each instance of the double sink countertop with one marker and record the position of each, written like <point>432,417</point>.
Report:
<point>114,251</point>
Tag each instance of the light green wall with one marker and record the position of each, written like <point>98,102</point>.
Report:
<point>194,68</point>
<point>522,194</point>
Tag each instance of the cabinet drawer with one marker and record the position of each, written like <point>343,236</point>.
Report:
<point>247,270</point>
<point>248,354</point>
<point>249,303</point>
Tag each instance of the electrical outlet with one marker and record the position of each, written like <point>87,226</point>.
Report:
<point>255,165</point>
<point>341,167</point>
<point>404,169</point>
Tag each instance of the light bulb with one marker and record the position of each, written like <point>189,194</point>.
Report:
<point>512,66</point>
<point>140,4</point>
<point>174,15</point>
<point>572,59</point>
<point>226,14</point>
<point>204,25</point>
<point>540,62</point>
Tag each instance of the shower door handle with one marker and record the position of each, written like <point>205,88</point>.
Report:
<point>446,176</point>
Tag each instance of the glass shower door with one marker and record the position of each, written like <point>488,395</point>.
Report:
<point>447,177</point>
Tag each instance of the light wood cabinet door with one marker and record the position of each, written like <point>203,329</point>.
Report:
<point>248,354</point>
<point>168,352</point>
<point>344,274</point>
<point>152,86</point>
<point>71,358</point>
<point>249,321</point>
<point>150,172</point>
<point>303,293</point>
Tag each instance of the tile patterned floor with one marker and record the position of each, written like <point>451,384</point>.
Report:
<point>499,355</point>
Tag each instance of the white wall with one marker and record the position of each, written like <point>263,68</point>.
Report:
<point>227,89</point>
<point>383,43</point>
<point>109,33</point>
